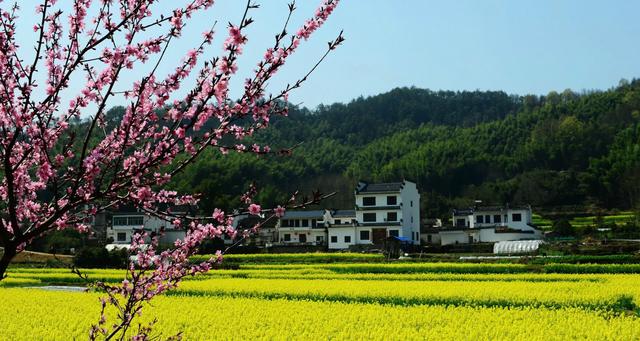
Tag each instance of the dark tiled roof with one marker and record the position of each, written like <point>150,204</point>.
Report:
<point>390,187</point>
<point>303,214</point>
<point>343,213</point>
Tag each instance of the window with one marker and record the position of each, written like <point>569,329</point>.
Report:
<point>285,223</point>
<point>411,203</point>
<point>369,217</point>
<point>296,223</point>
<point>497,219</point>
<point>305,223</point>
<point>392,216</point>
<point>287,237</point>
<point>394,233</point>
<point>461,222</point>
<point>347,239</point>
<point>368,201</point>
<point>392,200</point>
<point>337,221</point>
<point>364,235</point>
<point>319,239</point>
<point>334,239</point>
<point>506,218</point>
<point>480,219</point>
<point>314,223</point>
<point>139,221</point>
<point>119,221</point>
<point>412,219</point>
<point>487,219</point>
<point>122,237</point>
<point>516,217</point>
<point>429,239</point>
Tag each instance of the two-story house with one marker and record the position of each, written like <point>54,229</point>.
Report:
<point>302,227</point>
<point>490,224</point>
<point>388,209</point>
<point>343,229</point>
<point>128,220</point>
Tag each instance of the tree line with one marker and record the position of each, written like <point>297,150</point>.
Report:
<point>579,151</point>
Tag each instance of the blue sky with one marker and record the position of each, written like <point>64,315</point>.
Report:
<point>520,47</point>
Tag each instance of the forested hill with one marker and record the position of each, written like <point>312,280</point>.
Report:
<point>563,149</point>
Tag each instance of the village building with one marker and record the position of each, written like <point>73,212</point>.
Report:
<point>343,229</point>
<point>126,221</point>
<point>302,227</point>
<point>389,210</point>
<point>489,224</point>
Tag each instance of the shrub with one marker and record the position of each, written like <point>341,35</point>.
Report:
<point>99,257</point>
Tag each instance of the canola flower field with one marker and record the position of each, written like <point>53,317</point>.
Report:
<point>438,301</point>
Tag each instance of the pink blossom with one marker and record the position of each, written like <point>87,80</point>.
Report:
<point>255,209</point>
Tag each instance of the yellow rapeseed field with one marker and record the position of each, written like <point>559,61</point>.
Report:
<point>344,301</point>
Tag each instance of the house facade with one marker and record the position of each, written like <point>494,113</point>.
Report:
<point>343,229</point>
<point>125,222</point>
<point>389,209</point>
<point>302,227</point>
<point>381,211</point>
<point>484,224</point>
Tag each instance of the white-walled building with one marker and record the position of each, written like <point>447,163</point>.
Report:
<point>343,229</point>
<point>302,227</point>
<point>389,209</point>
<point>381,210</point>
<point>127,221</point>
<point>485,224</point>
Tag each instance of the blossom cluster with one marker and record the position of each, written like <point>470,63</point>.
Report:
<point>95,165</point>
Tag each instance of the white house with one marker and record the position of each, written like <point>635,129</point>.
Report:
<point>127,221</point>
<point>302,227</point>
<point>485,224</point>
<point>343,229</point>
<point>389,209</point>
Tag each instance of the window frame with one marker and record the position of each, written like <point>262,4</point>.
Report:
<point>395,215</point>
<point>366,201</point>
<point>124,239</point>
<point>393,201</point>
<point>369,214</point>
<point>368,233</point>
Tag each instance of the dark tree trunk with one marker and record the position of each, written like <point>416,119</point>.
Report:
<point>7,256</point>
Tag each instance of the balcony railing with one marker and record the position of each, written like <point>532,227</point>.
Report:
<point>381,223</point>
<point>381,207</point>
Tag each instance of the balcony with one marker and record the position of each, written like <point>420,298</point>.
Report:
<point>376,208</point>
<point>381,223</point>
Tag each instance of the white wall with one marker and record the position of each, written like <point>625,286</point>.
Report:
<point>486,235</point>
<point>471,220</point>
<point>381,199</point>
<point>454,237</point>
<point>411,212</point>
<point>407,209</point>
<point>489,235</point>
<point>295,233</point>
<point>435,238</point>
<point>340,233</point>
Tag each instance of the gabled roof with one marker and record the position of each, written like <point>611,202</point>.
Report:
<point>303,214</point>
<point>388,187</point>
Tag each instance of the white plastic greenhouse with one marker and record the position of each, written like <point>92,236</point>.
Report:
<point>516,246</point>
